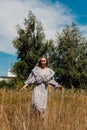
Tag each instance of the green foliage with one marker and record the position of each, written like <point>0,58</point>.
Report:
<point>20,69</point>
<point>71,57</point>
<point>30,44</point>
<point>3,83</point>
<point>68,58</point>
<point>9,84</point>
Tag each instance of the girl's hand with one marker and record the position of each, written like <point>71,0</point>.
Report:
<point>60,87</point>
<point>24,87</point>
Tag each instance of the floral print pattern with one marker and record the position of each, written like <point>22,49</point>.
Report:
<point>41,81</point>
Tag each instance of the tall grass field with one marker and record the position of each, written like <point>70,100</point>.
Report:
<point>65,111</point>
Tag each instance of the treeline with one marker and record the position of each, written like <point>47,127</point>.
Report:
<point>67,55</point>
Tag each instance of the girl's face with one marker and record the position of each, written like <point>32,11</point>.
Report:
<point>43,62</point>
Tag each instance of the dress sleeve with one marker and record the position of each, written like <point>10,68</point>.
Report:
<point>31,79</point>
<point>53,83</point>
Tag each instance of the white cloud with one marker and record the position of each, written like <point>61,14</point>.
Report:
<point>83,30</point>
<point>13,12</point>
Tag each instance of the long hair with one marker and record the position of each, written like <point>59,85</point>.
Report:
<point>39,61</point>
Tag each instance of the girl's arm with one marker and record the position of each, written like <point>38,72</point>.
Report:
<point>31,79</point>
<point>55,84</point>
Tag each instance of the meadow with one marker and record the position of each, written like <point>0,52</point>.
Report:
<point>66,111</point>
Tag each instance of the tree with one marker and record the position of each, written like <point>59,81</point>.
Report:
<point>71,56</point>
<point>30,44</point>
<point>20,69</point>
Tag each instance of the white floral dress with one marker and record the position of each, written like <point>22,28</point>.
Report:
<point>41,81</point>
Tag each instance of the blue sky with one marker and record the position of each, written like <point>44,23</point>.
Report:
<point>6,62</point>
<point>79,9</point>
<point>53,14</point>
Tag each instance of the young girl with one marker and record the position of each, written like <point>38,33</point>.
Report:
<point>41,76</point>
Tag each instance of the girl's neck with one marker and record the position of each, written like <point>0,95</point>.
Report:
<point>43,67</point>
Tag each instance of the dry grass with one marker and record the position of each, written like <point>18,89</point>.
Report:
<point>66,111</point>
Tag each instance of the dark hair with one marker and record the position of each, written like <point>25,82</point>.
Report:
<point>39,61</point>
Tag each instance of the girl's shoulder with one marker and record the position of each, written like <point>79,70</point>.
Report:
<point>36,70</point>
<point>51,71</point>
